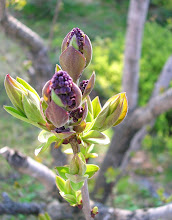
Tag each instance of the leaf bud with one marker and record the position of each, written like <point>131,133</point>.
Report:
<point>112,113</point>
<point>31,105</point>
<point>15,91</point>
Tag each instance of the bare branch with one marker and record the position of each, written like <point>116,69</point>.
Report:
<point>19,31</point>
<point>27,165</point>
<point>56,13</point>
<point>14,208</point>
<point>157,106</point>
<point>136,18</point>
<point>164,78</point>
<point>28,38</point>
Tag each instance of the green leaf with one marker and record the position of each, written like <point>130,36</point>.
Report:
<point>61,183</point>
<point>56,99</point>
<point>43,147</point>
<point>96,106</point>
<point>89,126</point>
<point>91,170</point>
<point>77,186</point>
<point>101,118</point>
<point>57,68</point>
<point>31,105</point>
<point>44,216</point>
<point>89,117</point>
<point>78,197</point>
<point>70,198</point>
<point>69,189</point>
<point>44,136</point>
<point>17,114</point>
<point>38,149</point>
<point>96,137</point>
<point>62,171</point>
<point>90,107</point>
<point>76,178</point>
<point>27,86</point>
<point>92,155</point>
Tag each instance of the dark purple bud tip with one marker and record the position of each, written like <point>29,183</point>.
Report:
<point>63,87</point>
<point>80,38</point>
<point>76,114</point>
<point>83,85</point>
<point>62,129</point>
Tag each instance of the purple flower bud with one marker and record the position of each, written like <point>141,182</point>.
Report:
<point>76,53</point>
<point>66,90</point>
<point>83,85</point>
<point>62,129</point>
<point>86,86</point>
<point>76,114</point>
<point>79,41</point>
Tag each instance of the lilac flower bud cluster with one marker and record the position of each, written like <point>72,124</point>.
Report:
<point>62,84</point>
<point>83,85</point>
<point>76,114</point>
<point>79,38</point>
<point>62,129</point>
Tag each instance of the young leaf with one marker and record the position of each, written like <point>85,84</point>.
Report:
<point>27,86</point>
<point>70,198</point>
<point>43,147</point>
<point>76,186</point>
<point>44,136</point>
<point>96,137</point>
<point>90,107</point>
<point>91,170</point>
<point>61,183</point>
<point>96,106</point>
<point>78,197</point>
<point>18,114</point>
<point>62,171</point>
<point>69,189</point>
<point>56,99</point>
<point>76,178</point>
<point>38,149</point>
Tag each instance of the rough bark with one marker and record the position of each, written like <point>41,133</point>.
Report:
<point>108,213</point>
<point>29,39</point>
<point>60,211</point>
<point>27,165</point>
<point>136,18</point>
<point>10,207</point>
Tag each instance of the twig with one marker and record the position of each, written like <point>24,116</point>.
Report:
<point>86,201</point>
<point>84,189</point>
<point>13,208</point>
<point>57,9</point>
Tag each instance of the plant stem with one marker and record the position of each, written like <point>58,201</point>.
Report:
<point>84,189</point>
<point>86,201</point>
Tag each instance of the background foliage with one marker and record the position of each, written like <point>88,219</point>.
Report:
<point>106,28</point>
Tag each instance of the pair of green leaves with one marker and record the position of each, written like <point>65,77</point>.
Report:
<point>67,192</point>
<point>77,180</point>
<point>25,100</point>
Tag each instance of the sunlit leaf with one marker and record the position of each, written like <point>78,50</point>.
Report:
<point>96,106</point>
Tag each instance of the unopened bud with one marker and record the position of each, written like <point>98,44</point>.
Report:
<point>15,91</point>
<point>76,53</point>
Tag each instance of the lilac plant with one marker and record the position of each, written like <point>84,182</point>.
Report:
<point>67,116</point>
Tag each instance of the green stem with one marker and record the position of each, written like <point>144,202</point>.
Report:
<point>84,190</point>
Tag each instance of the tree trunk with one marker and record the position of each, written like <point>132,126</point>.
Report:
<point>31,40</point>
<point>123,133</point>
<point>136,18</point>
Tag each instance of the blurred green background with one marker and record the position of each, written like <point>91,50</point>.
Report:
<point>105,23</point>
